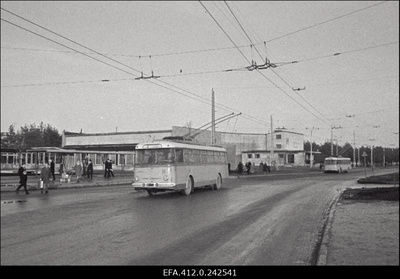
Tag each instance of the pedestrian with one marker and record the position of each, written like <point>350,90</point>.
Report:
<point>45,174</point>
<point>61,168</point>
<point>261,168</point>
<point>240,168</point>
<point>265,168</point>
<point>110,170</point>
<point>252,168</point>
<point>23,178</point>
<point>106,169</point>
<point>84,168</point>
<point>248,165</point>
<point>78,171</point>
<point>52,166</point>
<point>90,170</point>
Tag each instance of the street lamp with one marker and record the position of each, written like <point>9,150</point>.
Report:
<point>372,156</point>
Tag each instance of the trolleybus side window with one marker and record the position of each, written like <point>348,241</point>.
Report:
<point>187,154</point>
<point>203,156</point>
<point>179,155</point>
<point>196,156</point>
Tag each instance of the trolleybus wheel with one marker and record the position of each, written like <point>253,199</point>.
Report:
<point>189,187</point>
<point>218,182</point>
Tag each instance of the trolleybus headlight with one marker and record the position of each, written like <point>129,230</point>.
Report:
<point>165,177</point>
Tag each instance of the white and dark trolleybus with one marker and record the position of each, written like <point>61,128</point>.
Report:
<point>172,165</point>
<point>337,164</point>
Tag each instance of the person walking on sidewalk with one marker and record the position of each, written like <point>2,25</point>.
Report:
<point>110,170</point>
<point>23,175</point>
<point>45,177</point>
<point>78,171</point>
<point>106,168</point>
<point>52,169</point>
<point>90,170</point>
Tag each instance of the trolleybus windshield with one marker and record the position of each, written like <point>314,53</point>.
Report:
<point>159,156</point>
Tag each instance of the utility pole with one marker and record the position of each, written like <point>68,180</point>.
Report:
<point>354,148</point>
<point>372,157</point>
<point>384,162</point>
<point>213,117</point>
<point>337,147</point>
<point>334,127</point>
<point>272,144</point>
<point>331,140</point>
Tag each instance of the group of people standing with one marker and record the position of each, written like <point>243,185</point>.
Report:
<point>250,168</point>
<point>84,169</point>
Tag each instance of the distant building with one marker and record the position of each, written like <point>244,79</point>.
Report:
<point>288,148</point>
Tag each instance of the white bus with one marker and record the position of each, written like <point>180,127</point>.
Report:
<point>333,164</point>
<point>168,165</point>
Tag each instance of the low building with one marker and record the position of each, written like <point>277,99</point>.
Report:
<point>288,146</point>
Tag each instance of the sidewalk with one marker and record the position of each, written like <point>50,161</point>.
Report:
<point>10,183</point>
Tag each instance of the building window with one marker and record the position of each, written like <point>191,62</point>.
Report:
<point>278,137</point>
<point>279,146</point>
<point>249,156</point>
<point>290,158</point>
<point>257,156</point>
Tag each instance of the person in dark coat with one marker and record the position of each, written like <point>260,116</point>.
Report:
<point>106,169</point>
<point>90,169</point>
<point>265,168</point>
<point>52,169</point>
<point>110,170</point>
<point>23,175</point>
<point>240,168</point>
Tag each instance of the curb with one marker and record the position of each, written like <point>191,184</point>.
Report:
<point>326,227</point>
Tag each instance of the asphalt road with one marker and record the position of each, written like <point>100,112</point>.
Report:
<point>255,221</point>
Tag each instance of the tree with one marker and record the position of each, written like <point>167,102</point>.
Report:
<point>32,136</point>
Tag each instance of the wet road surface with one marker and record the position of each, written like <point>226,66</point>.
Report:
<point>255,221</point>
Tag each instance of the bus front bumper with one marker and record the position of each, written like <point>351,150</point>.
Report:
<point>157,186</point>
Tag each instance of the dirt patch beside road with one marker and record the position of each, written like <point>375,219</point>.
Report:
<point>365,194</point>
<point>365,229</point>
<point>391,178</point>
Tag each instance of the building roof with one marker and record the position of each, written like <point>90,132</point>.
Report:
<point>275,151</point>
<point>72,134</point>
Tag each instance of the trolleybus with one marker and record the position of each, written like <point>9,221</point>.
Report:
<point>170,165</point>
<point>333,164</point>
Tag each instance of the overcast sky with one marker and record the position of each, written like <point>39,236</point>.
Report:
<point>345,55</point>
